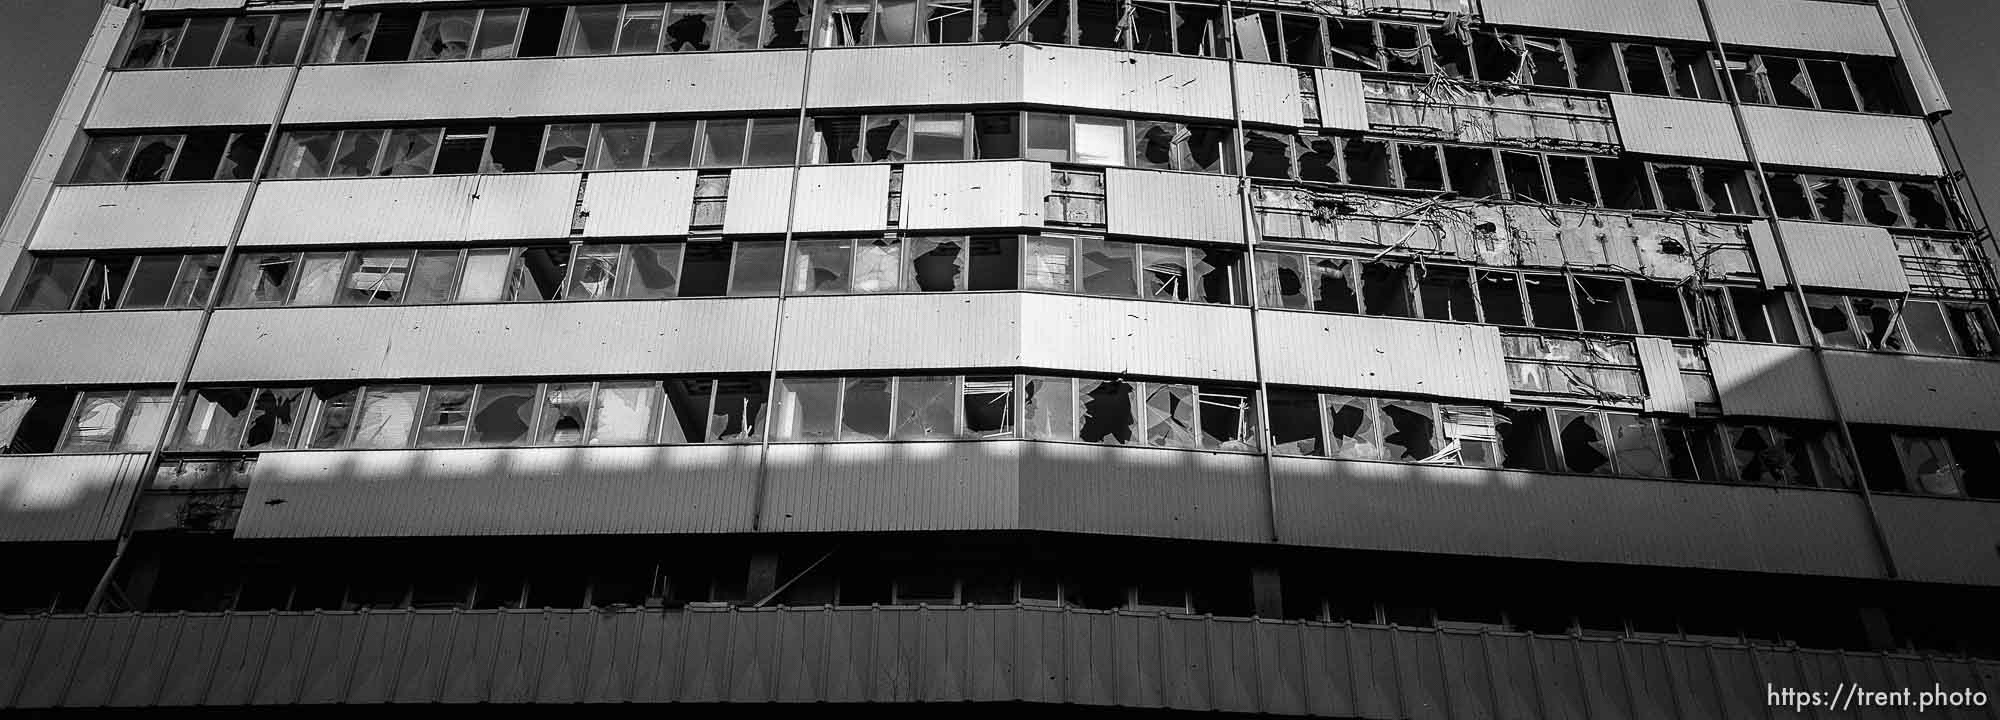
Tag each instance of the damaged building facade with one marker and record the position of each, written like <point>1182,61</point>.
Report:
<point>1349,358</point>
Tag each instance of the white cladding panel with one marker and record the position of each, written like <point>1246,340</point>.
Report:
<point>439,208</point>
<point>1768,380</point>
<point>1003,194</point>
<point>642,203</point>
<point>1831,255</point>
<point>1672,127</point>
<point>1184,206</point>
<point>139,216</point>
<point>1842,27</point>
<point>548,339</point>
<point>189,98</point>
<point>1354,352</point>
<point>758,200</point>
<point>135,347</point>
<point>840,197</point>
<point>1892,144</point>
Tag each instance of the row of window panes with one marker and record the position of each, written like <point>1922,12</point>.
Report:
<point>1051,137</point>
<point>1114,411</point>
<point>1886,203</point>
<point>568,271</point>
<point>1080,264</point>
<point>559,147</point>
<point>1856,84</point>
<point>204,155</point>
<point>555,30</point>
<point>182,41</point>
<point>123,282</point>
<point>490,414</point>
<point>1928,327</point>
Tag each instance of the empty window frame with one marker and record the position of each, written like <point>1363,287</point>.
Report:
<point>1354,427</point>
<point>1114,268</point>
<point>531,413</point>
<point>1804,454</point>
<point>1704,189</point>
<point>1599,369</point>
<point>117,282</point>
<point>1887,203</point>
<point>33,420</point>
<point>1856,323</point>
<point>1060,138</point>
<point>165,41</point>
<point>1929,462</point>
<point>203,155</point>
<point>1845,84</point>
<point>851,409</point>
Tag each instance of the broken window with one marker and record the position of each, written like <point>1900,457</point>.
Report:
<point>1571,177</point>
<point>32,421</point>
<point>989,407</point>
<point>1295,422</point>
<point>1352,430</point>
<point>1677,188</point>
<point>1549,301</point>
<point>1420,166</point>
<point>1049,408</point>
<point>1524,438</point>
<point>1368,162</point>
<point>1879,85</point>
<point>1623,182</point>
<point>1828,315</point>
<point>115,420</point>
<point>1107,267</point>
<point>1385,289</point>
<point>1228,419</point>
<point>806,409</point>
<point>593,273</point>
<point>865,409</point>
<point>1472,171</point>
<point>1269,154</point>
<point>1170,415</point>
<point>1926,206</point>
<point>1107,411</point>
<point>1525,178</point>
<point>692,27</point>
<point>1447,293</point>
<point>1830,198</point>
<point>1582,440</point>
<point>1878,322</point>
<point>1281,281</point>
<point>1659,306</point>
<point>1788,197</point>
<point>1728,190</point>
<point>1604,306</point>
<point>1596,65</point>
<point>1973,325</point>
<point>1645,74</point>
<point>1500,298</point>
<point>821,266</point>
<point>1788,82</point>
<point>1692,74</point>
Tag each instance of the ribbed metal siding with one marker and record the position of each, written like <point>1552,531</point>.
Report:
<point>500,491</point>
<point>1576,518</point>
<point>1342,104</point>
<point>1146,84</point>
<point>1916,58</point>
<point>444,208</point>
<point>1768,380</point>
<point>1672,127</point>
<point>940,196</point>
<point>66,497</point>
<point>1831,255</point>
<point>548,87</point>
<point>1143,491</point>
<point>858,487</point>
<point>141,216</point>
<point>1354,352</point>
<point>1665,390</point>
<point>552,339</point>
<point>1176,340</point>
<point>1269,94</point>
<point>1917,391</point>
<point>189,98</point>
<point>159,5</point>
<point>903,655</point>
<point>112,347</point>
<point>840,197</point>
<point>1849,141</point>
<point>1675,19</point>
<point>1946,541</point>
<point>864,77</point>
<point>652,202</point>
<point>1853,28</point>
<point>758,199</point>
<point>1185,206</point>
<point>898,332</point>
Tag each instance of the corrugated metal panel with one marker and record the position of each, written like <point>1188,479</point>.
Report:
<point>500,491</point>
<point>554,339</point>
<point>1916,391</point>
<point>862,77</point>
<point>894,332</point>
<point>159,5</point>
<point>95,347</point>
<point>66,497</point>
<point>1269,94</point>
<point>1342,104</point>
<point>1354,352</point>
<point>1577,518</point>
<point>549,87</point>
<point>654,202</point>
<point>974,195</point>
<point>33,192</point>
<point>1144,491</point>
<point>1830,255</point>
<point>1672,127</point>
<point>893,486</point>
<point>1675,19</point>
<point>1186,206</point>
<point>1854,28</point>
<point>1665,391</point>
<point>926,654</point>
<point>1178,340</point>
<point>1140,84</point>
<point>189,98</point>
<point>141,216</point>
<point>758,200</point>
<point>1916,58</point>
<point>840,197</point>
<point>442,208</point>
<point>1939,540</point>
<point>1769,380</point>
<point>1848,141</point>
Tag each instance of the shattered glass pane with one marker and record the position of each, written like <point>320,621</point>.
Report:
<point>445,35</point>
<point>501,415</point>
<point>1046,263</point>
<point>274,418</point>
<point>737,26</point>
<point>1050,408</point>
<point>565,410</point>
<point>156,41</point>
<point>865,410</point>
<point>877,265</point>
<point>820,266</point>
<point>623,413</point>
<point>1828,315</point>
<point>738,413</point>
<point>1166,272</point>
<point>689,27</point>
<point>447,414</point>
<point>1281,281</point>
<point>1228,420</point>
<point>806,409</point>
<point>1108,412</point>
<point>1583,443</point>
<point>593,273</point>
<point>564,149</point>
<point>989,406</point>
<point>333,415</point>
<point>1876,320</point>
<point>789,21</point>
<point>387,415</point>
<point>619,146</point>
<point>215,419</point>
<point>1636,446</point>
<point>723,142</point>
<point>923,408</point>
<point>1170,415</point>
<point>651,271</point>
<point>262,279</point>
<point>1350,429</point>
<point>1409,430</point>
<point>1295,423</point>
<point>937,264</point>
<point>592,29</point>
<point>1107,267</point>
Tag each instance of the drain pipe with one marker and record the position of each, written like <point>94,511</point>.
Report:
<point>1799,294</point>
<point>174,405</point>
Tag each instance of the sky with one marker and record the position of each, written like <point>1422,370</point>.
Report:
<point>41,39</point>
